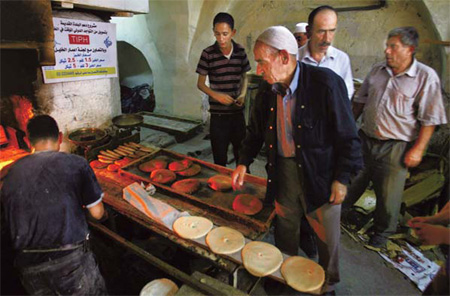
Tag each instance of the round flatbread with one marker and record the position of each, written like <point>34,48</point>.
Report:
<point>261,259</point>
<point>122,162</point>
<point>186,186</point>
<point>159,287</point>
<point>113,168</point>
<point>95,164</point>
<point>247,204</point>
<point>180,165</point>
<point>192,227</point>
<point>225,240</point>
<point>154,164</point>
<point>162,176</point>
<point>302,274</point>
<point>191,171</point>
<point>220,182</point>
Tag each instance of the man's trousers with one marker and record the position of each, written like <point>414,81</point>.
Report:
<point>384,166</point>
<point>225,129</point>
<point>290,207</point>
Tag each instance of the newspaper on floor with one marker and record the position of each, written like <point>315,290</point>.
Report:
<point>414,265</point>
<point>154,208</point>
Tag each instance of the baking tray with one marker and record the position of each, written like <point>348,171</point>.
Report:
<point>218,202</point>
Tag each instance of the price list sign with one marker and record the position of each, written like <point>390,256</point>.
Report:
<point>83,50</point>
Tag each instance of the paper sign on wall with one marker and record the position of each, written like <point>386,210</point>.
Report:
<point>83,50</point>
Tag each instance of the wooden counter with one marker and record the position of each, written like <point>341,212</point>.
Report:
<point>113,184</point>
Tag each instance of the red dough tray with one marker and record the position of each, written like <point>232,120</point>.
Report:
<point>216,202</point>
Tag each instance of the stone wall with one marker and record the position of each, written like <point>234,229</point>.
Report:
<point>77,104</point>
<point>172,36</point>
<point>439,12</point>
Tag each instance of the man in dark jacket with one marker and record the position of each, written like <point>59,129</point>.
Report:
<point>45,198</point>
<point>303,116</point>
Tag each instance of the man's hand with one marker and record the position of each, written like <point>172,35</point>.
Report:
<point>97,211</point>
<point>224,99</point>
<point>237,178</point>
<point>431,234</point>
<point>419,219</point>
<point>413,157</point>
<point>338,193</point>
<point>240,101</point>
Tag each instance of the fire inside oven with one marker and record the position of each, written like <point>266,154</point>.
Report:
<point>16,112</point>
<point>17,102</point>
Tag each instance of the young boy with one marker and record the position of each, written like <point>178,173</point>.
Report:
<point>225,63</point>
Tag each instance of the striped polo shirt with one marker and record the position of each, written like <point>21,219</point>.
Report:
<point>224,74</point>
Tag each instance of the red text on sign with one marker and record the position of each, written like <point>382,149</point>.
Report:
<point>78,39</point>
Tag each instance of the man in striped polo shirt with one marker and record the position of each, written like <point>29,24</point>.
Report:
<point>225,63</point>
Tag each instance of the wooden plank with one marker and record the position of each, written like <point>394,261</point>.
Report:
<point>158,263</point>
<point>423,190</point>
<point>135,6</point>
<point>112,185</point>
<point>437,42</point>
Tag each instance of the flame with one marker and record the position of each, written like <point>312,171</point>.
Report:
<point>23,110</point>
<point>5,163</point>
<point>9,156</point>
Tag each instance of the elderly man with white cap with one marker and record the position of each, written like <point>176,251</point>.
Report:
<point>303,116</point>
<point>300,34</point>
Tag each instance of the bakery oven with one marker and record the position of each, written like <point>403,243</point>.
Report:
<point>17,102</point>
<point>16,110</point>
<point>26,44</point>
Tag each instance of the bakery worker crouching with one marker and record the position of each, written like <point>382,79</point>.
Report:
<point>43,197</point>
<point>303,115</point>
<point>401,104</point>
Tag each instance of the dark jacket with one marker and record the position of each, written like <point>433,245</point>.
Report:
<point>327,145</point>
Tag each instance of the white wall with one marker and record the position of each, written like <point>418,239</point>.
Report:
<point>77,104</point>
<point>173,34</point>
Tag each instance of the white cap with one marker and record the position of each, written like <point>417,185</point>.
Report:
<point>279,37</point>
<point>300,28</point>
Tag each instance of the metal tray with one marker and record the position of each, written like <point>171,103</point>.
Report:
<point>87,136</point>
<point>183,129</point>
<point>212,201</point>
<point>128,120</point>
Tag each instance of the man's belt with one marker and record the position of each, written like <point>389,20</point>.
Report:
<point>376,139</point>
<point>81,244</point>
